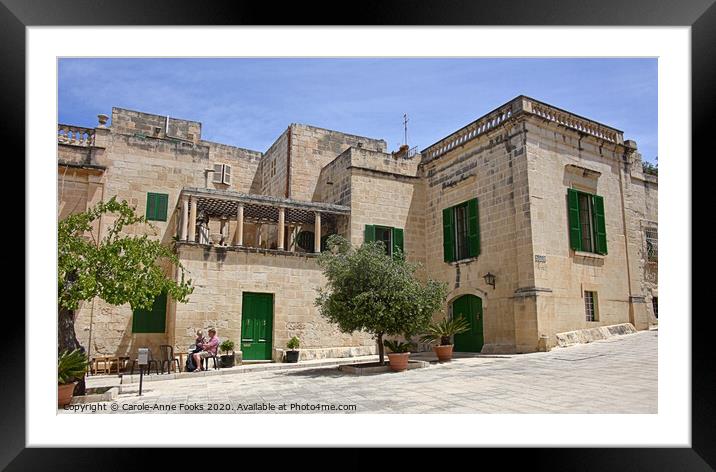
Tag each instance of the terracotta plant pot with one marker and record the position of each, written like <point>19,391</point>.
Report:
<point>444,353</point>
<point>64,393</point>
<point>398,361</point>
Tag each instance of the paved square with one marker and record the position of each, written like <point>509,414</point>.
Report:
<point>612,376</point>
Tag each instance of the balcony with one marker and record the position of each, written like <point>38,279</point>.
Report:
<point>233,219</point>
<point>75,135</point>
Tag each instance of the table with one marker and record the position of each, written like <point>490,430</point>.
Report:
<point>106,362</point>
<point>182,363</point>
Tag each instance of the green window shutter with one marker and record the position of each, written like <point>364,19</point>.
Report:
<point>473,228</point>
<point>448,235</point>
<point>398,240</point>
<point>152,320</point>
<point>162,204</point>
<point>151,205</point>
<point>157,204</point>
<point>369,233</point>
<point>575,230</point>
<point>600,228</point>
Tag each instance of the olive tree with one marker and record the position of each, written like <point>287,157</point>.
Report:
<point>368,290</point>
<point>119,269</point>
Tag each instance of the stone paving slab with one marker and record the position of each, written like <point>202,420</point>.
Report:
<point>617,375</point>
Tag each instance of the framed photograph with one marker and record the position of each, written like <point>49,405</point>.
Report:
<point>441,221</point>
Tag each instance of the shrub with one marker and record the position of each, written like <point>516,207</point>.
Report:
<point>293,343</point>
<point>367,290</point>
<point>227,346</point>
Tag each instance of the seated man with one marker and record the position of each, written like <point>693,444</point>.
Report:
<point>209,349</point>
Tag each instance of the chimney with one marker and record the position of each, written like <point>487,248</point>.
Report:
<point>402,152</point>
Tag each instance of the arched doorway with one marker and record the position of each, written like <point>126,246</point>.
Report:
<point>470,307</point>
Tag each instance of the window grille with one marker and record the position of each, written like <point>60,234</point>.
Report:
<point>590,305</point>
<point>652,244</point>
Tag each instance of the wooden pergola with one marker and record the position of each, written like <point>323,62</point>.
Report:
<point>259,209</point>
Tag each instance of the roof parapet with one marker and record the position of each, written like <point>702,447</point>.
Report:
<point>518,106</point>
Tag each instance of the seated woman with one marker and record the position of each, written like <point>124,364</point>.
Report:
<point>209,349</point>
<point>198,347</point>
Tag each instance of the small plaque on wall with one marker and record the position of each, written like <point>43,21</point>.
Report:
<point>539,258</point>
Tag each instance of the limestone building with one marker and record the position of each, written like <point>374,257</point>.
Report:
<point>539,220</point>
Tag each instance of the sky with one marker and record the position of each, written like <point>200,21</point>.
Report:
<point>249,102</point>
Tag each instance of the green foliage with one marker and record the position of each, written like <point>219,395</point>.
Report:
<point>227,346</point>
<point>649,168</point>
<point>71,366</point>
<point>293,343</point>
<point>370,291</point>
<point>120,268</point>
<point>442,330</point>
<point>398,346</point>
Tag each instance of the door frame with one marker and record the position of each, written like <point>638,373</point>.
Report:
<point>273,319</point>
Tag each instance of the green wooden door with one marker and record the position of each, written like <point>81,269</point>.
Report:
<point>470,307</point>
<point>256,326</point>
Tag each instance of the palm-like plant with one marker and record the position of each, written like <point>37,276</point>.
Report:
<point>443,330</point>
<point>398,346</point>
<point>71,366</point>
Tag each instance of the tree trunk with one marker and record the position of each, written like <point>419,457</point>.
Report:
<point>381,349</point>
<point>67,340</point>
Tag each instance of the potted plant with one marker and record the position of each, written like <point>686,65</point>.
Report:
<point>227,360</point>
<point>442,333</point>
<point>399,354</point>
<point>71,367</point>
<point>292,355</point>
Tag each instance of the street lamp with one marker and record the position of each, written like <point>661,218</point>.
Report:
<point>490,279</point>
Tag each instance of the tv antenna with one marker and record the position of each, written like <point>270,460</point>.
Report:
<point>405,127</point>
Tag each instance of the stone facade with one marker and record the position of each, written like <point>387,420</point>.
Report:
<point>519,162</point>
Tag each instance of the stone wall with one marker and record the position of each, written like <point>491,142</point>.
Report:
<point>559,159</point>
<point>222,275</point>
<point>493,168</point>
<point>274,167</point>
<point>136,164</point>
<point>642,194</point>
<point>313,148</point>
<point>155,126</point>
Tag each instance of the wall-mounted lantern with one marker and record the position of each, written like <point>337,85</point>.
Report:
<point>490,279</point>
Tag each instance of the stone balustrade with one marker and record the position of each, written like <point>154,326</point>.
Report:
<point>575,122</point>
<point>469,132</point>
<point>521,105</point>
<point>75,135</point>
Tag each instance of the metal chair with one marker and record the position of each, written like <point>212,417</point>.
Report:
<point>215,358</point>
<point>167,357</point>
<point>150,361</point>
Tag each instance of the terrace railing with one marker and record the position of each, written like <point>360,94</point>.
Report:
<point>75,135</point>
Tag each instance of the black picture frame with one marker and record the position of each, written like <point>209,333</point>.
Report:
<point>700,15</point>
